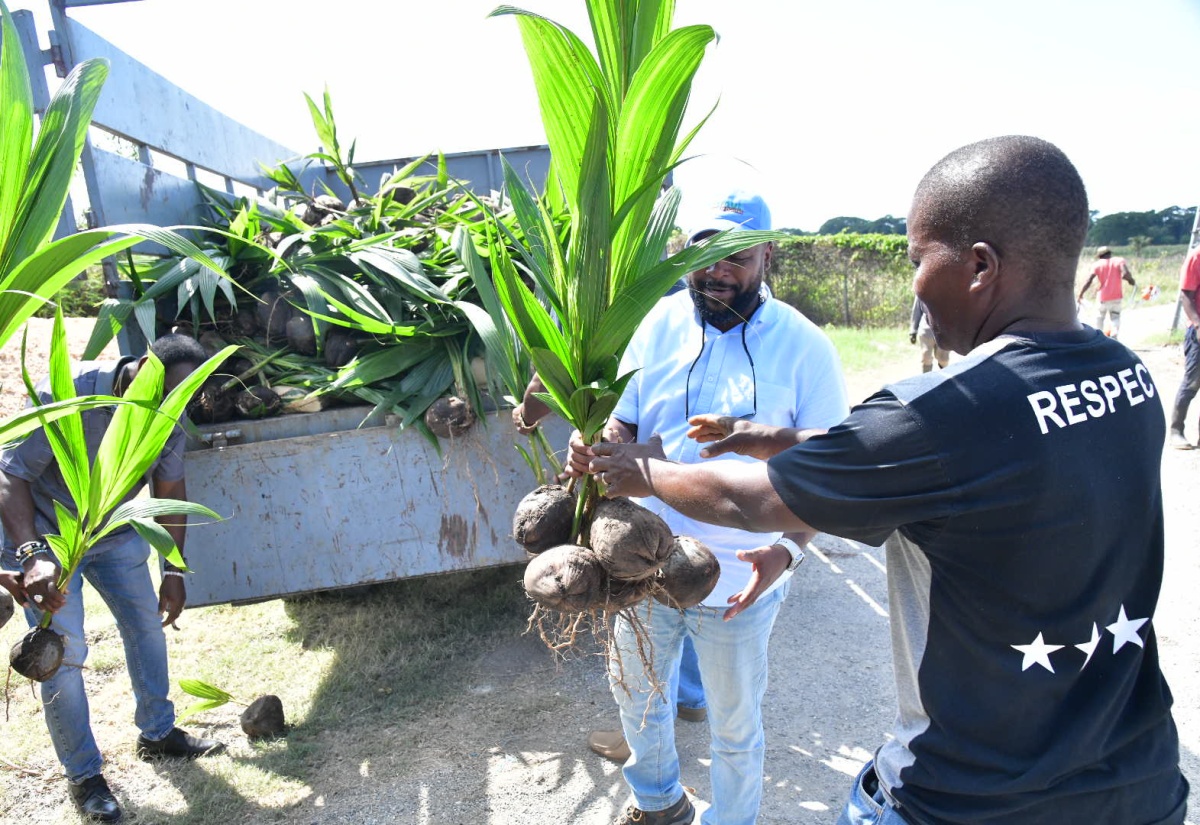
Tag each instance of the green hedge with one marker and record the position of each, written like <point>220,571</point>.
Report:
<point>846,279</point>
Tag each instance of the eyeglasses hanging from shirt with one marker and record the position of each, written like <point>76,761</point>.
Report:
<point>687,389</point>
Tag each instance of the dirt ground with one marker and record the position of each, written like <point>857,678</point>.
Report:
<point>512,750</point>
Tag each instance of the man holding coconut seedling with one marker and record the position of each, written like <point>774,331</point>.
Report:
<point>726,346</point>
<point>1022,578</point>
<point>31,486</point>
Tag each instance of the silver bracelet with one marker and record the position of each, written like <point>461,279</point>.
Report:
<point>178,573</point>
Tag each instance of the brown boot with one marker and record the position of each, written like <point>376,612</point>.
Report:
<point>681,813</point>
<point>610,744</point>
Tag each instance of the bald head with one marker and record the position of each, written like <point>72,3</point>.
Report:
<point>1019,194</point>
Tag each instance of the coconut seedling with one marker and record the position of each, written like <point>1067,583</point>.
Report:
<point>261,719</point>
<point>133,440</point>
<point>613,121</point>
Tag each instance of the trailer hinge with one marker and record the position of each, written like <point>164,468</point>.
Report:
<point>54,55</point>
<point>220,440</point>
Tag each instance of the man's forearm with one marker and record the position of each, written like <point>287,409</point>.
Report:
<point>1189,306</point>
<point>725,493</point>
<point>17,510</point>
<point>175,525</point>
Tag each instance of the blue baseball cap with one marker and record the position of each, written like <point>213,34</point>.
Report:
<point>739,210</point>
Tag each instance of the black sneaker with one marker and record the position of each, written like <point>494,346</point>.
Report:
<point>178,744</point>
<point>94,800</point>
<point>681,813</point>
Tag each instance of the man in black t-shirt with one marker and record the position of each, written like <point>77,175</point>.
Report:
<point>1023,573</point>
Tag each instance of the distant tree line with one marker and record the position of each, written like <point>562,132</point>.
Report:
<point>887,225</point>
<point>1172,225</point>
<point>847,279</point>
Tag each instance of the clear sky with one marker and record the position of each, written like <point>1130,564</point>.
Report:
<point>829,108</point>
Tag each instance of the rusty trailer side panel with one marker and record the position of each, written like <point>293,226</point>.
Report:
<point>324,510</point>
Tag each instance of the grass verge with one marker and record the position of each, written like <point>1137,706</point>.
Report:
<point>348,666</point>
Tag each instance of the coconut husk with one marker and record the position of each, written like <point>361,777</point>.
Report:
<point>235,365</point>
<point>689,574</point>
<point>211,405</point>
<point>567,578</point>
<point>37,655</point>
<point>543,518</point>
<point>273,313</point>
<point>400,194</point>
<point>449,417</point>
<point>623,593</point>
<point>263,718</point>
<point>301,336</point>
<point>320,208</point>
<point>340,348</point>
<point>245,323</point>
<point>479,371</point>
<point>297,400</point>
<point>630,541</point>
<point>212,343</point>
<point>257,402</point>
<point>6,607</point>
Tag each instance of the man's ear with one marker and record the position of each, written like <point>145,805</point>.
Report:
<point>986,262</point>
<point>136,367</point>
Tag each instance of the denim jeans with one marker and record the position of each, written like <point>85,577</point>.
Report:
<point>1191,378</point>
<point>687,688</point>
<point>867,804</point>
<point>119,573</point>
<point>733,664</point>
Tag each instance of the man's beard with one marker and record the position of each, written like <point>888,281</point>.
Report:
<point>740,307</point>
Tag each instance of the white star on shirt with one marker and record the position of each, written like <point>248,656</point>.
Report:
<point>1037,652</point>
<point>1125,630</point>
<point>1090,647</point>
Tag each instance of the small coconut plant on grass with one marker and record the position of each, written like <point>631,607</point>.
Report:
<point>613,121</point>
<point>261,719</point>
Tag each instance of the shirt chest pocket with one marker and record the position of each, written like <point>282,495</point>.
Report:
<point>776,404</point>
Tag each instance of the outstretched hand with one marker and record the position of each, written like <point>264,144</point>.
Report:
<point>769,564</point>
<point>727,434</point>
<point>625,468</point>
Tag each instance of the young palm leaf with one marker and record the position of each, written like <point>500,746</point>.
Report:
<point>133,441</point>
<point>613,126</point>
<point>35,176</point>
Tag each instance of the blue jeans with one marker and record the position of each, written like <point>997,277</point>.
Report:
<point>733,664</point>
<point>122,578</point>
<point>1191,378</point>
<point>687,688</point>
<point>867,804</point>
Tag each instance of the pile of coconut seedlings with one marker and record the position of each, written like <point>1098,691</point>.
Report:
<point>333,302</point>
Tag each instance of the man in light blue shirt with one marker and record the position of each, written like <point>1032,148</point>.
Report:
<point>723,346</point>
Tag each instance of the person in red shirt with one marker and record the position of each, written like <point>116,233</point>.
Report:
<point>1108,273</point>
<point>1189,293</point>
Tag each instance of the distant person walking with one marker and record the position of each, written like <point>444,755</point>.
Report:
<point>921,331</point>
<point>1108,273</point>
<point>1189,293</point>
